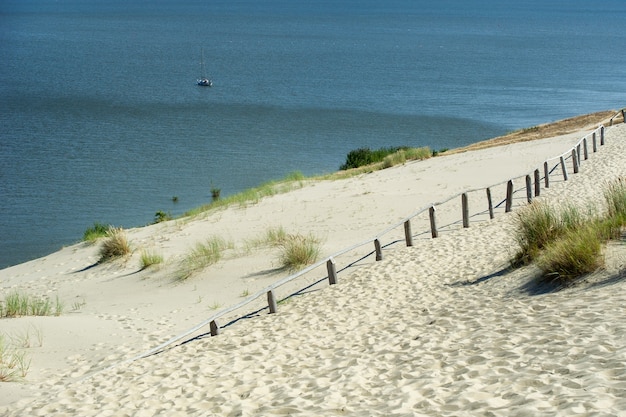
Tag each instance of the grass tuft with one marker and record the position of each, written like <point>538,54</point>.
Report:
<point>149,259</point>
<point>576,252</point>
<point>615,196</point>
<point>203,255</point>
<point>14,364</point>
<point>18,304</point>
<point>115,245</point>
<point>537,225</point>
<point>567,243</point>
<point>298,251</point>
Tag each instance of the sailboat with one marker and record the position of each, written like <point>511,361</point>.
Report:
<point>203,80</point>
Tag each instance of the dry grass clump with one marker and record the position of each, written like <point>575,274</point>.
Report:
<point>298,251</point>
<point>203,255</point>
<point>115,245</point>
<point>14,364</point>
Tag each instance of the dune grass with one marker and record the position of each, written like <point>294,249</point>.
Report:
<point>296,180</point>
<point>14,364</point>
<point>291,182</point>
<point>566,243</point>
<point>203,254</point>
<point>115,245</point>
<point>297,251</point>
<point>19,304</point>
<point>149,259</point>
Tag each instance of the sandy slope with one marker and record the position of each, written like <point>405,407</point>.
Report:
<point>434,329</point>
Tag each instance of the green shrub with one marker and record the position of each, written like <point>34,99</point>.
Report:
<point>161,216</point>
<point>95,232</point>
<point>365,156</point>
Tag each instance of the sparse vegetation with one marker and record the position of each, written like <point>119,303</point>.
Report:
<point>298,251</point>
<point>566,244</point>
<point>215,193</point>
<point>253,195</point>
<point>149,259</point>
<point>115,245</point>
<point>203,255</point>
<point>14,364</point>
<point>17,304</point>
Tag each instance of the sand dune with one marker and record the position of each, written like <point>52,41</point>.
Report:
<point>439,328</point>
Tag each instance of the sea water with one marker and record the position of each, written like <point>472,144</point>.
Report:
<point>101,119</point>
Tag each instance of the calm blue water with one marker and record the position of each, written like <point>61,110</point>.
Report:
<point>101,120</point>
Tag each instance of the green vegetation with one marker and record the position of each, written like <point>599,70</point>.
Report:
<point>18,304</point>
<point>253,195</point>
<point>115,245</point>
<point>95,232</point>
<point>615,196</point>
<point>161,216</point>
<point>215,193</point>
<point>149,259</point>
<point>272,237</point>
<point>566,243</point>
<point>387,156</point>
<point>203,255</point>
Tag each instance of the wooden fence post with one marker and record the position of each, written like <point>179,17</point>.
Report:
<point>537,183</point>
<point>575,161</point>
<point>578,154</point>
<point>490,203</point>
<point>594,143</point>
<point>408,236</point>
<point>465,209</point>
<point>379,251</point>
<point>529,189</point>
<point>509,197</point>
<point>546,173</point>
<point>602,131</point>
<point>332,271</point>
<point>271,302</point>
<point>585,149</point>
<point>433,222</point>
<point>215,328</point>
<point>564,169</point>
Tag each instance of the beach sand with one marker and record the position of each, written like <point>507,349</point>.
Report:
<point>439,328</point>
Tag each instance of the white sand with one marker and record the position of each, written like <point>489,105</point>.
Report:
<point>434,329</point>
